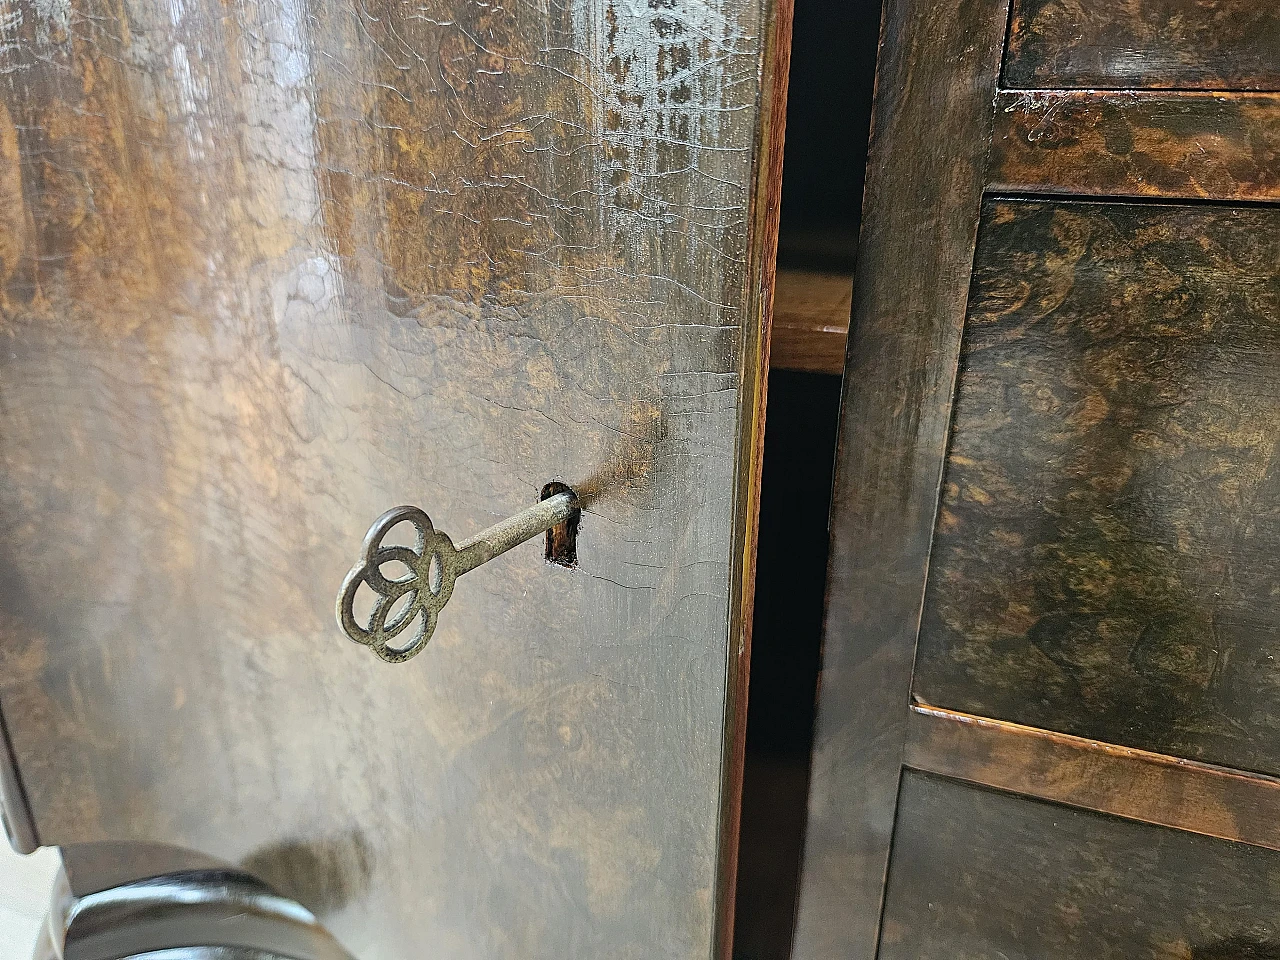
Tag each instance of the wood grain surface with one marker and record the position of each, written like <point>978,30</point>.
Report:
<point>1169,44</point>
<point>762,270</point>
<point>978,874</point>
<point>1134,784</point>
<point>1193,145</point>
<point>1106,553</point>
<point>935,85</point>
<point>811,321</point>
<point>267,270</point>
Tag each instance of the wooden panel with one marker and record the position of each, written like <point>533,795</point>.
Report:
<point>1172,44</point>
<point>936,87</point>
<point>1098,776</point>
<point>978,874</point>
<point>1106,553</point>
<point>811,321</point>
<point>271,268</point>
<point>1196,145</point>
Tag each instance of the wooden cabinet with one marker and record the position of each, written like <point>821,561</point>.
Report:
<point>267,271</point>
<point>1047,717</point>
<point>1143,44</point>
<point>271,269</point>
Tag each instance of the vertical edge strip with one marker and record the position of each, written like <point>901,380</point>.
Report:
<point>758,320</point>
<point>931,133</point>
<point>1197,146</point>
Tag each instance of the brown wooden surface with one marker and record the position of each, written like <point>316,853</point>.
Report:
<point>936,86</point>
<point>270,269</point>
<point>1123,781</point>
<point>1106,556</point>
<point>811,321</point>
<point>1172,44</point>
<point>762,268</point>
<point>1195,145</point>
<point>978,875</point>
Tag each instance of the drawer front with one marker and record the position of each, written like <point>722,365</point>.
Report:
<point>1202,146</point>
<point>977,874</point>
<point>1107,553</point>
<point>1156,44</point>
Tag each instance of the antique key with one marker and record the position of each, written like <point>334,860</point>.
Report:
<point>434,565</point>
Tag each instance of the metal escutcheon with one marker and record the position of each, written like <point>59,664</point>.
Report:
<point>434,565</point>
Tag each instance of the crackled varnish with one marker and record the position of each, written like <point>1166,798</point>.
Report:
<point>1047,721</point>
<point>1191,145</point>
<point>269,269</point>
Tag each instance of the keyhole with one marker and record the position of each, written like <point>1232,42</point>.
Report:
<point>562,539</point>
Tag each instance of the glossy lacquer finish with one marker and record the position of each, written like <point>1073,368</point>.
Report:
<point>272,268</point>
<point>1106,558</point>
<point>1138,144</point>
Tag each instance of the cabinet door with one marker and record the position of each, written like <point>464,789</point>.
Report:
<point>271,269</point>
<point>1056,534</point>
